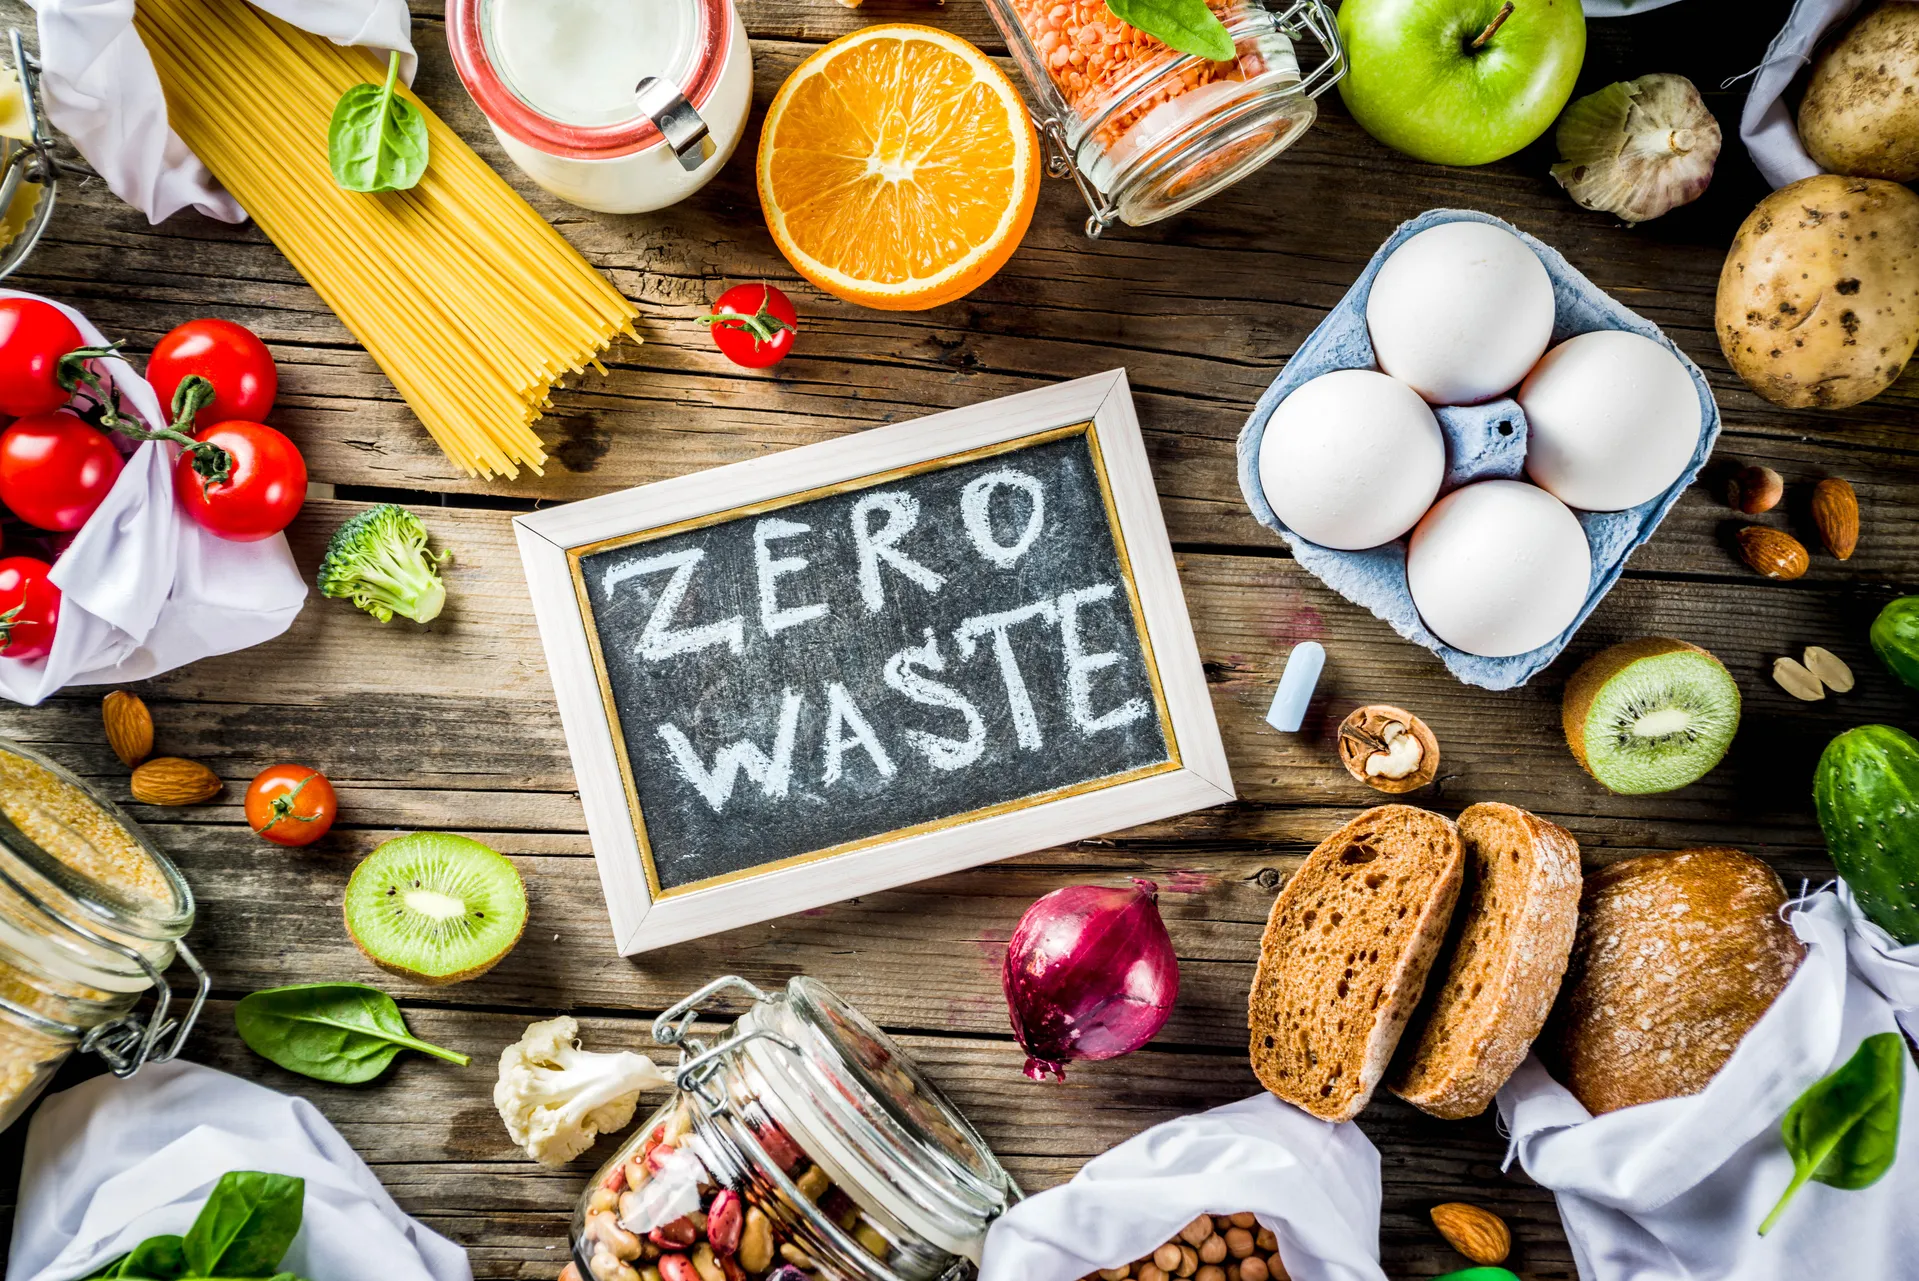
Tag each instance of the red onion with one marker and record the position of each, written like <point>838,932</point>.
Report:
<point>1090,974</point>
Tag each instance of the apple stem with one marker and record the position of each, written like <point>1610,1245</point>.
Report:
<point>1505,12</point>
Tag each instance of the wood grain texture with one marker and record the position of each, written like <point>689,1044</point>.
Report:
<point>453,726</point>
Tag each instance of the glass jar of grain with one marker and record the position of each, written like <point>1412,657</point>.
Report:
<point>91,914</point>
<point>1146,131</point>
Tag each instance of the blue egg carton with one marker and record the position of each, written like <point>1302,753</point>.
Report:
<point>1483,442</point>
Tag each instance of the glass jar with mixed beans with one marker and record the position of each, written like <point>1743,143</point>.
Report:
<point>803,1145</point>
<point>1146,131</point>
<point>90,915</point>
<point>1213,1247</point>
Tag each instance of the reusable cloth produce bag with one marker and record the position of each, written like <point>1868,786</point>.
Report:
<point>102,92</point>
<point>1767,126</point>
<point>143,587</point>
<point>1677,1189</point>
<point>1315,1184</point>
<point>111,1163</point>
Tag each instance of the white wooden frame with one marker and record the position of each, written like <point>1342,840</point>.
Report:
<point>641,922</point>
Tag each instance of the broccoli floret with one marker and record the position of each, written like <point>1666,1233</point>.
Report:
<point>379,561</point>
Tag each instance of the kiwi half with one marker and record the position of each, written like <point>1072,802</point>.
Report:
<point>1650,715</point>
<point>435,906</point>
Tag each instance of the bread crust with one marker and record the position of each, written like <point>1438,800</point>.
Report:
<point>1345,956</point>
<point>1510,942</point>
<point>1677,956</point>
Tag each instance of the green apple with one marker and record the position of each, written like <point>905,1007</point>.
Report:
<point>1459,82</point>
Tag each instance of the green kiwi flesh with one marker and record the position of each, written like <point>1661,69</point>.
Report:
<point>1660,722</point>
<point>435,906</point>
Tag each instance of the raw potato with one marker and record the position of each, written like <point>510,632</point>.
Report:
<point>1819,298</point>
<point>1861,111</point>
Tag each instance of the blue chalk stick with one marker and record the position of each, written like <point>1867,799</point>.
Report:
<point>1296,686</point>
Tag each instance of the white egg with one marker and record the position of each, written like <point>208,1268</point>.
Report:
<point>1498,568</point>
<point>1460,312</point>
<point>1613,420</point>
<point>1351,459</point>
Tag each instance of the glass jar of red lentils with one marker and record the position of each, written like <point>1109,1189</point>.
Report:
<point>1146,131</point>
<point>801,1146</point>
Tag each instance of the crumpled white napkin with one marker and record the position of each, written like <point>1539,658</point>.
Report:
<point>144,588</point>
<point>1314,1183</point>
<point>1771,136</point>
<point>1677,1189</point>
<point>111,1163</point>
<point>102,92</point>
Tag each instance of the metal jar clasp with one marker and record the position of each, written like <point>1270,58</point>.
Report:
<point>682,127</point>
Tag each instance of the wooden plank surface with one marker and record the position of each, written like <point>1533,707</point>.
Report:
<point>452,726</point>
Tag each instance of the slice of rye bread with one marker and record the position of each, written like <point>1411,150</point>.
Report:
<point>1345,956</point>
<point>1508,946</point>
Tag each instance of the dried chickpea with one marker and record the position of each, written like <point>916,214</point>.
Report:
<point>1265,1240</point>
<point>1122,1273</point>
<point>1221,1222</point>
<point>1245,1219</point>
<point>1213,1250</point>
<point>1278,1269</point>
<point>1210,1272</point>
<point>1232,1271</point>
<point>1198,1230</point>
<point>1253,1268</point>
<point>1239,1242</point>
<point>1188,1261</point>
<point>1150,1271</point>
<point>1166,1258</point>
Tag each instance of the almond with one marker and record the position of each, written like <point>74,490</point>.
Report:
<point>1829,668</point>
<point>1835,510</point>
<point>1480,1235</point>
<point>129,727</point>
<point>1754,489</point>
<point>172,780</point>
<point>1773,552</point>
<point>1792,676</point>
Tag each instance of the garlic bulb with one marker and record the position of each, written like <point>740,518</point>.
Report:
<point>1637,148</point>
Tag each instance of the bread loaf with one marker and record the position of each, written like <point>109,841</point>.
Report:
<point>1345,956</point>
<point>1511,936</point>
<point>1677,956</point>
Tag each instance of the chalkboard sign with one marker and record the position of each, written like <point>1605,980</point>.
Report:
<point>863,662</point>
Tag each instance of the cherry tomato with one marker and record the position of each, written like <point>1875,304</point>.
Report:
<point>262,493</point>
<point>29,609</point>
<point>227,355</point>
<point>753,325</point>
<point>34,335</point>
<point>291,804</point>
<point>55,469</point>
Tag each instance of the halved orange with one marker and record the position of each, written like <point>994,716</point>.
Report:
<point>898,168</point>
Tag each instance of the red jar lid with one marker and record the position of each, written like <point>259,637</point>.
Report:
<point>510,113</point>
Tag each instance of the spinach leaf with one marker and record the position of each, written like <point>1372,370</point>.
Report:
<point>1844,1130</point>
<point>377,140</point>
<point>246,1226</point>
<point>1186,25</point>
<point>346,1033</point>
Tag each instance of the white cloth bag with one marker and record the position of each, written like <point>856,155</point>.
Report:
<point>1676,1190</point>
<point>1315,1184</point>
<point>110,1163</point>
<point>1766,124</point>
<point>102,92</point>
<point>143,587</point>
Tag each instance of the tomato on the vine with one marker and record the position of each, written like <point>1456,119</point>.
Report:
<point>753,325</point>
<point>258,493</point>
<point>29,608</point>
<point>229,356</point>
<point>56,469</point>
<point>291,804</point>
<point>34,337</point>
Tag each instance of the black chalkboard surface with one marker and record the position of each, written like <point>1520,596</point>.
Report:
<point>917,649</point>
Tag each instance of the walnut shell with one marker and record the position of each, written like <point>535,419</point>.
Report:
<point>1363,734</point>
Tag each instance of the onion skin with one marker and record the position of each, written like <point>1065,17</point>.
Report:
<point>1089,974</point>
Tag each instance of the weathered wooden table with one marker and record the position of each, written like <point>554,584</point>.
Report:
<point>453,727</point>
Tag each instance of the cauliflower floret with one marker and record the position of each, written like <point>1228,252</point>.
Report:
<point>556,1098</point>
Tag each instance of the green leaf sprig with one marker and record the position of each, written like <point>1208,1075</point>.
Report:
<point>1189,26</point>
<point>377,140</point>
<point>346,1033</point>
<point>243,1231</point>
<point>1844,1130</point>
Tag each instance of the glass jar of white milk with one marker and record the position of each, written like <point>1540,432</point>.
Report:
<point>617,105</point>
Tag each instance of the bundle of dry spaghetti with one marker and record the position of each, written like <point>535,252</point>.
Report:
<point>470,302</point>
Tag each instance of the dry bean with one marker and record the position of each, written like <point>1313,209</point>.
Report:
<point>605,1267</point>
<point>813,1183</point>
<point>1213,1250</point>
<point>756,1241</point>
<point>872,1241</point>
<point>571,1272</point>
<point>706,1264</point>
<point>648,1272</point>
<point>606,1229</point>
<point>602,1199</point>
<point>674,1267</point>
<point>1166,1257</point>
<point>796,1256</point>
<point>1198,1230</point>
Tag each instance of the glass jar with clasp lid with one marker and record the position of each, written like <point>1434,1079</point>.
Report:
<point>91,915</point>
<point>802,1139</point>
<point>1145,131</point>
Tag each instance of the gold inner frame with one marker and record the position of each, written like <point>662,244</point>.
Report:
<point>1089,429</point>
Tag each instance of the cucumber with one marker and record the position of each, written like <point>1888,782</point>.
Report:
<point>1867,794</point>
<point>1895,638</point>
